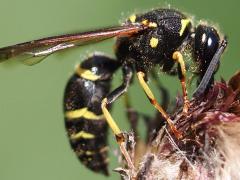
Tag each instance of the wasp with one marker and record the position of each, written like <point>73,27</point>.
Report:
<point>158,37</point>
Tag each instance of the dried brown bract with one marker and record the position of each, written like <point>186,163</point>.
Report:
<point>210,147</point>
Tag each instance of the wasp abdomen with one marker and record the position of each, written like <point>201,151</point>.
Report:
<point>84,122</point>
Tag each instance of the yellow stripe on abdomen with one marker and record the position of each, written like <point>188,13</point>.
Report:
<point>86,74</point>
<point>84,113</point>
<point>82,135</point>
<point>75,113</point>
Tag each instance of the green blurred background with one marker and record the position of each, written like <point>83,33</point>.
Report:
<point>33,142</point>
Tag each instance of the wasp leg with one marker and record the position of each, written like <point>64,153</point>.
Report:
<point>154,102</point>
<point>155,123</point>
<point>164,94</point>
<point>113,96</point>
<point>177,56</point>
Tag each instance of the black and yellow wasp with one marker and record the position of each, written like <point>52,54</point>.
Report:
<point>158,37</point>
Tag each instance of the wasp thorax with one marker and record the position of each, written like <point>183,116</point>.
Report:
<point>167,29</point>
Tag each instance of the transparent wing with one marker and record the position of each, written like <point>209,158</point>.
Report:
<point>35,51</point>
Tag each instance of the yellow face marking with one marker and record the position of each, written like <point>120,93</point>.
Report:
<point>153,42</point>
<point>87,74</point>
<point>82,134</point>
<point>145,22</point>
<point>152,25</point>
<point>184,23</point>
<point>132,18</point>
<point>83,113</point>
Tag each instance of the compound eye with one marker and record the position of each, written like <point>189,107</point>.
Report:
<point>206,44</point>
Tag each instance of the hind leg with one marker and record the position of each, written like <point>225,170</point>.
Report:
<point>113,96</point>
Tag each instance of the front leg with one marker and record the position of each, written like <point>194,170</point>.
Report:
<point>177,56</point>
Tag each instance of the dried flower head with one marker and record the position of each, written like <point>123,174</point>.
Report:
<point>210,147</point>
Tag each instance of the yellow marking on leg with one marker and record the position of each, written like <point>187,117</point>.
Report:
<point>144,85</point>
<point>149,94</point>
<point>117,133</point>
<point>153,42</point>
<point>82,134</point>
<point>184,24</point>
<point>109,118</point>
<point>132,18</point>
<point>177,56</point>
<point>86,74</point>
<point>153,101</point>
<point>83,112</point>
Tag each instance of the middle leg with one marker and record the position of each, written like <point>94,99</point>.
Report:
<point>154,102</point>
